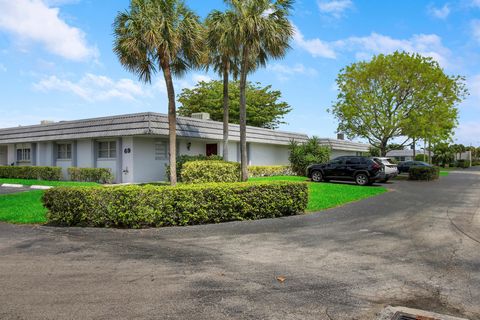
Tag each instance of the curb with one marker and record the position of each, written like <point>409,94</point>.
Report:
<point>34,187</point>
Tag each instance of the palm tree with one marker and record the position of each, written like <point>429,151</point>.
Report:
<point>223,57</point>
<point>263,31</point>
<point>154,35</point>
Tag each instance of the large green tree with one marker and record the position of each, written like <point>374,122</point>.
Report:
<point>222,56</point>
<point>264,106</point>
<point>160,35</point>
<point>263,31</point>
<point>397,95</point>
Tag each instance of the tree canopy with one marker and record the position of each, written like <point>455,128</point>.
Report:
<point>264,106</point>
<point>397,95</point>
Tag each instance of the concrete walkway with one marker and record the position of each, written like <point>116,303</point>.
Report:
<point>416,246</point>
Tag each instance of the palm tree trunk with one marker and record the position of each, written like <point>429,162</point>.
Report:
<point>225,110</point>
<point>243,116</point>
<point>172,123</point>
<point>414,148</point>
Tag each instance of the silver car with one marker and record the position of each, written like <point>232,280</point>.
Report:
<point>389,169</point>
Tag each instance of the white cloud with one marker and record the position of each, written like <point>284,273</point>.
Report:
<point>468,133</point>
<point>475,3</point>
<point>335,8</point>
<point>93,88</point>
<point>3,68</point>
<point>440,13</point>
<point>364,47</point>
<point>474,86</point>
<point>284,71</point>
<point>53,3</point>
<point>34,21</point>
<point>475,24</point>
<point>316,47</point>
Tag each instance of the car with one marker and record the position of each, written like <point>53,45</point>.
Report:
<point>363,170</point>
<point>389,170</point>
<point>404,167</point>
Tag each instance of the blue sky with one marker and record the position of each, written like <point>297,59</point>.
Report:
<point>56,59</point>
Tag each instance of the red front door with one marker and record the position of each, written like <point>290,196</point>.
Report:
<point>212,149</point>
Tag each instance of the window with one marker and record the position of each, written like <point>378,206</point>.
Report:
<point>353,161</point>
<point>107,150</point>
<point>64,151</point>
<point>23,154</point>
<point>161,152</point>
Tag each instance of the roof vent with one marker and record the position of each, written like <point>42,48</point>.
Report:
<point>341,136</point>
<point>45,122</point>
<point>201,115</point>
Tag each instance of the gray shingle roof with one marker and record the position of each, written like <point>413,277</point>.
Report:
<point>346,145</point>
<point>140,124</point>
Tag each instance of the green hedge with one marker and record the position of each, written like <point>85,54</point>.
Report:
<point>269,171</point>
<point>181,160</point>
<point>463,164</point>
<point>210,171</point>
<point>423,173</point>
<point>100,175</point>
<point>27,172</point>
<point>156,206</point>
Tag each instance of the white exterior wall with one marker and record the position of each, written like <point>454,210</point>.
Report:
<point>3,155</point>
<point>11,154</point>
<point>197,147</point>
<point>85,156</point>
<point>108,164</point>
<point>45,154</point>
<point>268,154</point>
<point>145,167</point>
<point>64,164</point>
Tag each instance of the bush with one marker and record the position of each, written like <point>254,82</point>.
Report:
<point>36,173</point>
<point>463,163</point>
<point>181,160</point>
<point>423,173</point>
<point>210,171</point>
<point>100,175</point>
<point>421,157</point>
<point>156,206</point>
<point>305,154</point>
<point>269,171</point>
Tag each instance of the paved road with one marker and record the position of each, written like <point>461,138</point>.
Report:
<point>416,246</point>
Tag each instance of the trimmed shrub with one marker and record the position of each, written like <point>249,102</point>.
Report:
<point>181,160</point>
<point>27,172</point>
<point>463,163</point>
<point>100,175</point>
<point>269,171</point>
<point>423,173</point>
<point>210,171</point>
<point>305,154</point>
<point>422,157</point>
<point>157,206</point>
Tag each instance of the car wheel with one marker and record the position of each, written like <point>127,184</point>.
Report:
<point>317,176</point>
<point>362,179</point>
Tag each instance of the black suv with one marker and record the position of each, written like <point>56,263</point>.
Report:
<point>362,170</point>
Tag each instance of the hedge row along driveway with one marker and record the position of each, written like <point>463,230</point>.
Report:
<point>26,207</point>
<point>157,206</point>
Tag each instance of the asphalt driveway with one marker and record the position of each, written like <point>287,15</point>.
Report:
<point>416,246</point>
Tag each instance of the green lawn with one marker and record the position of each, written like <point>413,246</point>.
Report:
<point>27,182</point>
<point>26,207</point>
<point>328,195</point>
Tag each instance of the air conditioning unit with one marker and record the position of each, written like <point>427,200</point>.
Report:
<point>200,115</point>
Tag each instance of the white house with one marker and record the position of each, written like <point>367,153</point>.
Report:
<point>135,146</point>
